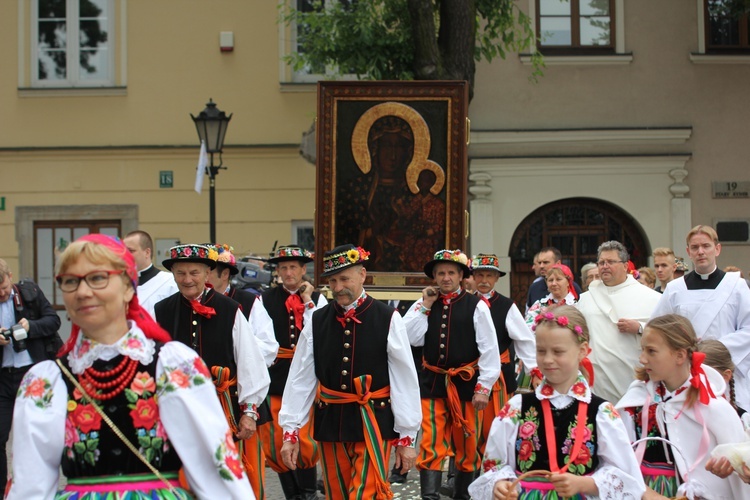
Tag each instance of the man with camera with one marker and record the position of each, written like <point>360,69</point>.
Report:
<point>28,335</point>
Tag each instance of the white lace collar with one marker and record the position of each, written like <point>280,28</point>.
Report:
<point>133,344</point>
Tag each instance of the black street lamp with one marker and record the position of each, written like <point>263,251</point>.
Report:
<point>211,124</point>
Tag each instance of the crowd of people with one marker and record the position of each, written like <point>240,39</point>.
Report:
<point>177,385</point>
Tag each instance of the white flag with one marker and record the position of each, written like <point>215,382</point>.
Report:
<point>200,170</point>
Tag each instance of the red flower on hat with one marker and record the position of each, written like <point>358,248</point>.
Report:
<point>187,251</point>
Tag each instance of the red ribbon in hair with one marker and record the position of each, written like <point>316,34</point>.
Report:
<point>698,378</point>
<point>586,364</point>
<point>135,312</point>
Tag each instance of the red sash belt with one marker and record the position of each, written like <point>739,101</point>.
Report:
<point>373,440</point>
<point>466,372</point>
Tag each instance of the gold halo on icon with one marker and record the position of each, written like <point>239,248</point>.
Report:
<point>419,161</point>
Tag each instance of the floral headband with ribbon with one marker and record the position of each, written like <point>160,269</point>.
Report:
<point>560,320</point>
<point>564,322</point>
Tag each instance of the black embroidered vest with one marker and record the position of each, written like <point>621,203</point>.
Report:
<point>342,354</point>
<point>287,334</point>
<point>93,449</point>
<point>564,421</point>
<point>450,342</point>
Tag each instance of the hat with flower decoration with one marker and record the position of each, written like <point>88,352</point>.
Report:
<point>343,257</point>
<point>681,265</point>
<point>224,257</point>
<point>486,261</point>
<point>451,257</point>
<point>190,253</point>
<point>291,252</point>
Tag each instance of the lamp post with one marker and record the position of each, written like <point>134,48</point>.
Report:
<point>211,124</point>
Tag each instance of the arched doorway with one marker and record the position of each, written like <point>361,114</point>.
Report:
<point>576,226</point>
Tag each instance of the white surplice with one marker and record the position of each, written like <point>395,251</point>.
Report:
<point>614,354</point>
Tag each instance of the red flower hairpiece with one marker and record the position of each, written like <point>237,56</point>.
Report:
<point>560,320</point>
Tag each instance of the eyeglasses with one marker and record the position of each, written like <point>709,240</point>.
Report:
<point>96,280</point>
<point>608,263</point>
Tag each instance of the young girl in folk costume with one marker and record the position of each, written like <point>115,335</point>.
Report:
<point>719,358</point>
<point>680,394</point>
<point>561,428</point>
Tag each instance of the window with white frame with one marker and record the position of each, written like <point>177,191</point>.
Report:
<point>303,234</point>
<point>296,33</point>
<point>72,43</point>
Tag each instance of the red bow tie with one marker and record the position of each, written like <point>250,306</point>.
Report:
<point>348,315</point>
<point>446,297</point>
<point>204,311</point>
<point>295,306</point>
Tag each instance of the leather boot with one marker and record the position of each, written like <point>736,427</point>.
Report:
<point>461,485</point>
<point>307,479</point>
<point>289,485</point>
<point>429,484</point>
<point>447,487</point>
<point>397,477</point>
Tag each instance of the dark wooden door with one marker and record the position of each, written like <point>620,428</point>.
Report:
<point>576,226</point>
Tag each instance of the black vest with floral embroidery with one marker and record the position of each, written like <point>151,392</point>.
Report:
<point>93,449</point>
<point>531,444</point>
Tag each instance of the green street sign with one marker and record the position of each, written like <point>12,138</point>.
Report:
<point>165,179</point>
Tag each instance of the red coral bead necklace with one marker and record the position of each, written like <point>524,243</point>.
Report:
<point>103,385</point>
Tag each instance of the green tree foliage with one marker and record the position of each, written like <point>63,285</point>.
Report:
<point>406,39</point>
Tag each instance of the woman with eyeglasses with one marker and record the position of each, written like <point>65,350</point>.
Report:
<point>123,410</point>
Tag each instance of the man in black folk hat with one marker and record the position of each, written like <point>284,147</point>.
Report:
<point>461,363</point>
<point>513,337</point>
<point>213,325</point>
<point>262,328</point>
<point>290,306</point>
<point>355,351</point>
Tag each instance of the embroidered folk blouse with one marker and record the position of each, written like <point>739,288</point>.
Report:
<point>189,416</point>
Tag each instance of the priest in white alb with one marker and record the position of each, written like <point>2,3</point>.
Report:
<point>716,303</point>
<point>616,310</point>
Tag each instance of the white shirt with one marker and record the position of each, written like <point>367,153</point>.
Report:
<point>253,380</point>
<point>524,341</point>
<point>302,383</point>
<point>161,286</point>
